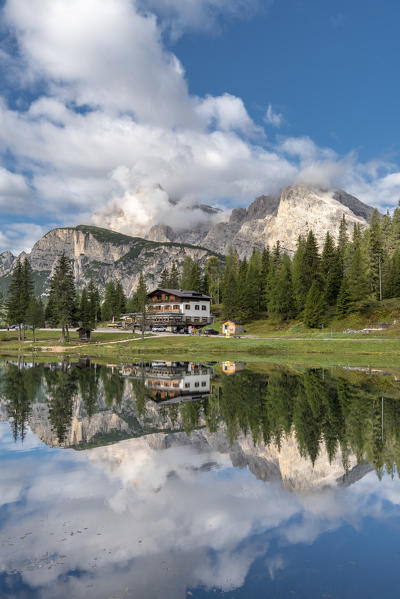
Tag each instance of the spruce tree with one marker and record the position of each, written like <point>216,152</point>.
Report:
<point>84,310</point>
<point>94,304</point>
<point>62,297</point>
<point>343,238</point>
<point>314,307</point>
<point>187,273</point>
<point>142,300</point>
<point>173,281</point>
<point>164,279</point>
<point>107,306</point>
<point>15,306</point>
<point>343,299</point>
<point>213,271</point>
<point>265,262</point>
<point>375,252</point>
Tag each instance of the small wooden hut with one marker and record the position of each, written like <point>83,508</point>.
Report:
<point>84,333</point>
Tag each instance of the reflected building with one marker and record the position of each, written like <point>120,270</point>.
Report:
<point>172,382</point>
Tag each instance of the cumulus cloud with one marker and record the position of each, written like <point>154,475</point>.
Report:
<point>273,118</point>
<point>111,98</point>
<point>14,191</point>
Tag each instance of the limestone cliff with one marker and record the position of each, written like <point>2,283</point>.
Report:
<point>103,255</point>
<point>296,210</point>
<point>108,426</point>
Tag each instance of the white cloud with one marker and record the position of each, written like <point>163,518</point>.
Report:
<point>20,236</point>
<point>199,15</point>
<point>115,100</point>
<point>273,118</point>
<point>14,192</point>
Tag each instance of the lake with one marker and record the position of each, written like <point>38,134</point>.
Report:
<point>186,479</point>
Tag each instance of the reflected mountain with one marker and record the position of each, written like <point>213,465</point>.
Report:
<point>258,483</point>
<point>307,429</point>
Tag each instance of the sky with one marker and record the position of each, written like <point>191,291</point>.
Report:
<point>109,109</point>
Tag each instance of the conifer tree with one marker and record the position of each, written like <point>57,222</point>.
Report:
<point>62,297</point>
<point>94,304</point>
<point>343,299</point>
<point>253,284</point>
<point>375,251</point>
<point>213,271</point>
<point>314,307</point>
<point>187,273</point>
<point>343,238</point>
<point>141,296</point>
<point>107,306</point>
<point>305,268</point>
<point>164,279</point>
<point>265,262</point>
<point>84,314</point>
<point>19,294</point>
<point>15,308</point>
<point>173,281</point>
<point>357,277</point>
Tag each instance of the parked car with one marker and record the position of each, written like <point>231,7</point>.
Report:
<point>210,332</point>
<point>158,329</point>
<point>13,326</point>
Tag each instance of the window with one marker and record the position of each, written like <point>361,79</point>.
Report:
<point>196,319</point>
<point>187,385</point>
<point>203,384</point>
<point>204,307</point>
<point>197,307</point>
<point>197,384</point>
<point>187,306</point>
<point>175,307</point>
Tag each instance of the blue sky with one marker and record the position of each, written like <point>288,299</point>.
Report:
<point>331,69</point>
<point>110,108</point>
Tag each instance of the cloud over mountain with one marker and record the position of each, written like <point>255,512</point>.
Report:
<point>101,115</point>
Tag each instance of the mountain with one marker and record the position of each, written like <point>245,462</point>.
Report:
<point>118,432</point>
<point>296,210</point>
<point>103,255</point>
<point>107,255</point>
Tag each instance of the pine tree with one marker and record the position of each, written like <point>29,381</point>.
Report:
<point>141,296</point>
<point>375,251</point>
<point>107,306</point>
<point>119,301</point>
<point>357,275</point>
<point>187,273</point>
<point>343,238</point>
<point>253,284</point>
<point>213,271</point>
<point>164,279</point>
<point>265,262</point>
<point>62,297</point>
<point>15,307</point>
<point>84,310</point>
<point>343,299</point>
<point>173,282</point>
<point>305,268</point>
<point>314,307</point>
<point>94,304</point>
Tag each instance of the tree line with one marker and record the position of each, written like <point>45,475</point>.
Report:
<point>356,415</point>
<point>313,285</point>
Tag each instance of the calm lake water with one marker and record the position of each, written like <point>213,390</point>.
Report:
<point>182,479</point>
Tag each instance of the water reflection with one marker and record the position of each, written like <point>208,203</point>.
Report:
<point>225,488</point>
<point>345,413</point>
